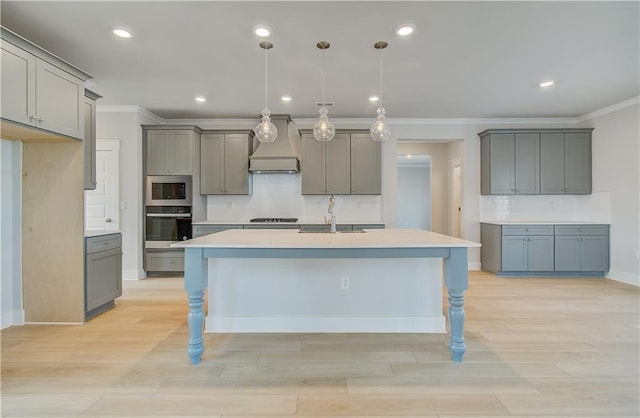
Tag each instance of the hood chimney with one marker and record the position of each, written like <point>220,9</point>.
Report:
<point>277,156</point>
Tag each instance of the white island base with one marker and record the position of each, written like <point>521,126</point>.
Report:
<point>249,247</point>
<point>325,295</point>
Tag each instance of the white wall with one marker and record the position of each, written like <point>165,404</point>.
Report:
<point>11,308</point>
<point>414,197</point>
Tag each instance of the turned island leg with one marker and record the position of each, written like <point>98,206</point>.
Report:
<point>195,283</point>
<point>456,280</point>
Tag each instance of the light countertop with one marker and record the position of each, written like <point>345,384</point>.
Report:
<point>300,222</point>
<point>281,238</point>
<point>543,223</point>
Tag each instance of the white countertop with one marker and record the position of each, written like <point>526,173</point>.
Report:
<point>97,233</point>
<point>543,223</point>
<point>282,238</point>
<point>300,222</point>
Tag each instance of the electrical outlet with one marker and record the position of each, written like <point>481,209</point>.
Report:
<point>345,282</point>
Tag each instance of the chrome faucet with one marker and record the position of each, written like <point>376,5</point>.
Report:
<point>332,211</point>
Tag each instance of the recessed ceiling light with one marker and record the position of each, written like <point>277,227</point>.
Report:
<point>547,83</point>
<point>405,29</point>
<point>286,98</point>
<point>374,98</point>
<point>262,30</point>
<point>201,99</point>
<point>121,32</point>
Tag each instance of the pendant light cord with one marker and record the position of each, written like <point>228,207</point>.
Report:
<point>266,69</point>
<point>380,102</point>
<point>323,102</point>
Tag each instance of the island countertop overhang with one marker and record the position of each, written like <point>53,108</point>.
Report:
<point>284,238</point>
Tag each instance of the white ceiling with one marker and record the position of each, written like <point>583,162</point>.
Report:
<point>465,60</point>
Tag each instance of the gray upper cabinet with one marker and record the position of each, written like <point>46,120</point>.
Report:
<point>365,165</point>
<point>225,163</point>
<point>326,166</point>
<point>89,143</point>
<point>39,90</point>
<point>169,152</point>
<point>527,161</point>
<point>510,163</point>
<point>565,160</point>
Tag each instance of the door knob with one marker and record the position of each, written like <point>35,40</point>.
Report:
<point>108,220</point>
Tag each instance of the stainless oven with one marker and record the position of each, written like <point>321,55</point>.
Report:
<point>168,191</point>
<point>167,224</point>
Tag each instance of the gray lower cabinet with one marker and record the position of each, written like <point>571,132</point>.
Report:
<point>544,249</point>
<point>325,228</point>
<point>161,260</point>
<point>102,272</point>
<point>582,248</point>
<point>271,226</point>
<point>360,227</point>
<point>224,163</point>
<point>206,229</point>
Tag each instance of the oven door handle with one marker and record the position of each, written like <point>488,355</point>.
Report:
<point>169,215</point>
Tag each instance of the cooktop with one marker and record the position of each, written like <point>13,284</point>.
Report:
<point>274,220</point>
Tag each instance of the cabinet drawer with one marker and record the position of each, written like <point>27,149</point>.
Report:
<point>360,227</point>
<point>581,229</point>
<point>324,228</point>
<point>169,260</point>
<point>527,230</point>
<point>103,242</point>
<point>271,226</point>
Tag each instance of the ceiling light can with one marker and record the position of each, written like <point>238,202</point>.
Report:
<point>121,32</point>
<point>547,83</point>
<point>261,30</point>
<point>405,29</point>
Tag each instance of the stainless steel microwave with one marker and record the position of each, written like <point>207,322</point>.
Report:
<point>168,191</point>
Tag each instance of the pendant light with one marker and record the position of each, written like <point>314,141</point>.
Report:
<point>323,130</point>
<point>380,130</point>
<point>265,130</point>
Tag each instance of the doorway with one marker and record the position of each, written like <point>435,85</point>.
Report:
<point>414,191</point>
<point>102,208</point>
<point>456,196</point>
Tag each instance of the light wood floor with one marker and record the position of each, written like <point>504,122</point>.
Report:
<point>535,347</point>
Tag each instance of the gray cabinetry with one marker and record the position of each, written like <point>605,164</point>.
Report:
<point>169,151</point>
<point>39,90</point>
<point>326,166</point>
<point>365,165</point>
<point>543,161</point>
<point>170,260</point>
<point>225,163</point>
<point>103,272</point>
<point>89,142</point>
<point>582,248</point>
<point>540,250</point>
<point>202,229</point>
<point>565,161</point>
<point>527,248</point>
<point>510,163</point>
<point>360,227</point>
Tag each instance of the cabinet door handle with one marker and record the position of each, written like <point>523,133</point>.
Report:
<point>41,120</point>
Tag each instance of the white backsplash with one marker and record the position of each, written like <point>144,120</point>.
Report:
<point>279,196</point>
<point>558,208</point>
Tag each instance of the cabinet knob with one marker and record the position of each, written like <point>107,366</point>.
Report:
<point>108,220</point>
<point>40,120</point>
<point>170,262</point>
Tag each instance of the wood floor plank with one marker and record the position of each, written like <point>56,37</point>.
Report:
<point>535,347</point>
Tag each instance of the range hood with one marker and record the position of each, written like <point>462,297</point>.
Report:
<point>277,156</point>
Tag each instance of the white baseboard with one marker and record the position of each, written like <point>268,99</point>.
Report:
<point>133,274</point>
<point>624,277</point>
<point>10,318</point>
<point>421,324</point>
<point>474,266</point>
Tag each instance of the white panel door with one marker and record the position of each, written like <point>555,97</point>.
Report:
<point>102,212</point>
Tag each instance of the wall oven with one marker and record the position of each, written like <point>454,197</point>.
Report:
<point>168,191</point>
<point>166,225</point>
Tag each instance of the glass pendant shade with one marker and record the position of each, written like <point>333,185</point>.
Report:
<point>265,130</point>
<point>380,130</point>
<point>324,130</point>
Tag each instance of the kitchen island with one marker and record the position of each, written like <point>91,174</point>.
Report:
<point>358,247</point>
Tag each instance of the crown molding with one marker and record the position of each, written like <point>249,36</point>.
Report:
<point>139,110</point>
<point>609,109</point>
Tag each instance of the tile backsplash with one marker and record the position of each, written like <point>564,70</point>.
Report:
<point>279,195</point>
<point>595,207</point>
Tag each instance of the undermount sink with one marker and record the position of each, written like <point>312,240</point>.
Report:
<point>327,232</point>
